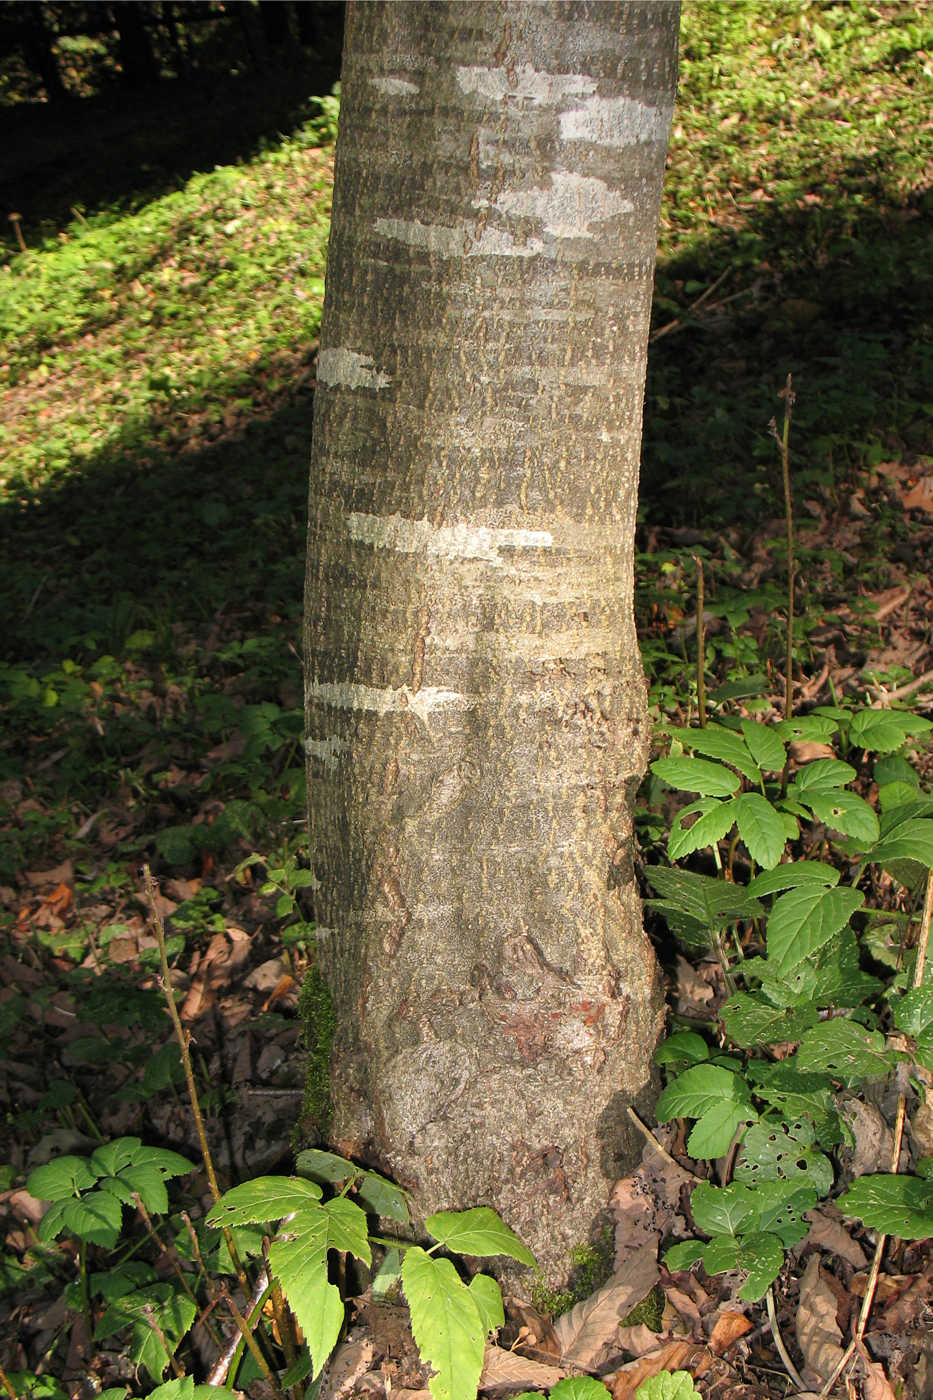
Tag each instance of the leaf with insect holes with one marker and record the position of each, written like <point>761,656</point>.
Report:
<point>808,728</point>
<point>479,1232</point>
<point>846,1050</point>
<point>760,827</point>
<point>896,1205</point>
<point>697,775</point>
<point>760,1255</point>
<point>263,1198</point>
<point>805,918</point>
<point>846,812</point>
<point>750,1019</point>
<point>714,903</point>
<point>446,1323</point>
<point>723,1210</point>
<point>780,1208</point>
<point>764,745</point>
<point>715,741</point>
<point>156,1315</point>
<point>789,876</point>
<point>774,1151</point>
<point>713,819</point>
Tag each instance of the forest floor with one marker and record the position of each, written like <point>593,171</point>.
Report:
<point>157,376</point>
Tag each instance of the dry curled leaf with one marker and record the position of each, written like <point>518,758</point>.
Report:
<point>592,1326</point>
<point>818,1334</point>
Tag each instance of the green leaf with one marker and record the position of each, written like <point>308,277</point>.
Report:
<point>669,1385</point>
<point>845,812</point>
<point>699,1089</point>
<point>712,902</point>
<point>779,1209</point>
<point>108,1159</point>
<point>760,827</point>
<point>718,742</point>
<point>149,1182</point>
<point>816,728</point>
<point>896,1205</point>
<point>791,875</point>
<point>750,1019</point>
<point>347,1229</point>
<point>264,1198</point>
<point>180,1388</point>
<point>911,839</point>
<point>845,1050</point>
<point>96,1217</point>
<point>488,1298</point>
<point>822,775</point>
<point>325,1166</point>
<point>714,820</point>
<point>697,775</point>
<point>713,1132</point>
<point>479,1232</point>
<point>59,1180</point>
<point>446,1324</point>
<point>805,918</point>
<point>913,1012</point>
<point>579,1388</point>
<point>883,731</point>
<point>681,1256</point>
<point>761,1255</point>
<point>173,1313</point>
<point>722,1210</point>
<point>797,1095</point>
<point>382,1197</point>
<point>683,1045</point>
<point>773,1151</point>
<point>764,745</point>
<point>298,1259</point>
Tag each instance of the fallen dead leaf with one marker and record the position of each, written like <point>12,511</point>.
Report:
<point>818,1334</point>
<point>591,1328</point>
<point>876,1385</point>
<point>830,1234</point>
<point>507,1368</point>
<point>59,875</point>
<point>673,1356</point>
<point>638,1340</point>
<point>728,1329</point>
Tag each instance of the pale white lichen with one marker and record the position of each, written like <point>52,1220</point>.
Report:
<point>615,121</point>
<point>461,541</point>
<point>347,368</point>
<point>457,240</point>
<point>523,83</point>
<point>568,207</point>
<point>381,700</point>
<point>394,87</point>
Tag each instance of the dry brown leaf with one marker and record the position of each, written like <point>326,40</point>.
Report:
<point>501,1367</point>
<point>351,1360</point>
<point>585,1332</point>
<point>921,1130</point>
<point>682,1301</point>
<point>728,1329</point>
<point>59,875</point>
<point>874,1141</point>
<point>225,954</point>
<point>638,1340</point>
<point>673,1356</point>
<point>876,1385</point>
<point>536,1330</point>
<point>830,1234</point>
<point>806,750</point>
<point>818,1334</point>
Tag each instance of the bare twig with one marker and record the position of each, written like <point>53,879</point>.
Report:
<point>781,1349</point>
<point>650,1138</point>
<point>884,697</point>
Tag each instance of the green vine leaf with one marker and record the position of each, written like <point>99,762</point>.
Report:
<point>806,918</point>
<point>789,876</point>
<point>298,1259</point>
<point>669,1385</point>
<point>846,1050</point>
<point>896,1205</point>
<point>61,1179</point>
<point>750,1019</point>
<point>446,1324</point>
<point>718,1099</point>
<point>347,1228</point>
<point>845,812</point>
<point>479,1232</point>
<point>764,745</point>
<point>713,819</point>
<point>722,1210</point>
<point>264,1198</point>
<point>718,742</point>
<point>488,1298</point>
<point>783,1152</point>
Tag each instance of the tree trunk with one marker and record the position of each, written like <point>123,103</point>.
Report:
<point>476,707</point>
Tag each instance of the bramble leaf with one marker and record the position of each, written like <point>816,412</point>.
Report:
<point>764,745</point>
<point>263,1198</point>
<point>845,812</point>
<point>845,1050</point>
<point>791,875</point>
<point>446,1323</point>
<point>751,1019</point>
<point>713,819</point>
<point>697,775</point>
<point>805,918</point>
<point>718,742</point>
<point>760,827</point>
<point>298,1259</point>
<point>896,1205</point>
<point>479,1232</point>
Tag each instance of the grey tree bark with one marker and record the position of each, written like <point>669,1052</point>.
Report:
<point>475,699</point>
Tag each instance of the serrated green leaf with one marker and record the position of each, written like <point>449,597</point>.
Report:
<point>683,1045</point>
<point>896,1205</point>
<point>762,1256</point>
<point>883,731</point>
<point>760,827</point>
<point>815,728</point>
<point>779,1209</point>
<point>96,1217</point>
<point>172,1312</point>
<point>480,1232</point>
<point>712,902</point>
<point>669,1385</point>
<point>712,1134</point>
<point>61,1179</point>
<point>699,1089</point>
<point>446,1325</point>
<point>751,1019</point>
<point>121,1189</point>
<point>910,839</point>
<point>298,1259</point>
<point>846,812</point>
<point>722,1210</point>
<point>713,819</point>
<point>264,1198</point>
<point>681,1256</point>
<point>179,1388</point>
<point>844,1049</point>
<point>347,1229</point>
<point>792,875</point>
<point>715,741</point>
<point>822,775</point>
<point>764,745</point>
<point>325,1166</point>
<point>108,1159</point>
<point>149,1182</point>
<point>488,1298</point>
<point>804,919</point>
<point>167,1164</point>
<point>913,1012</point>
<point>697,775</point>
